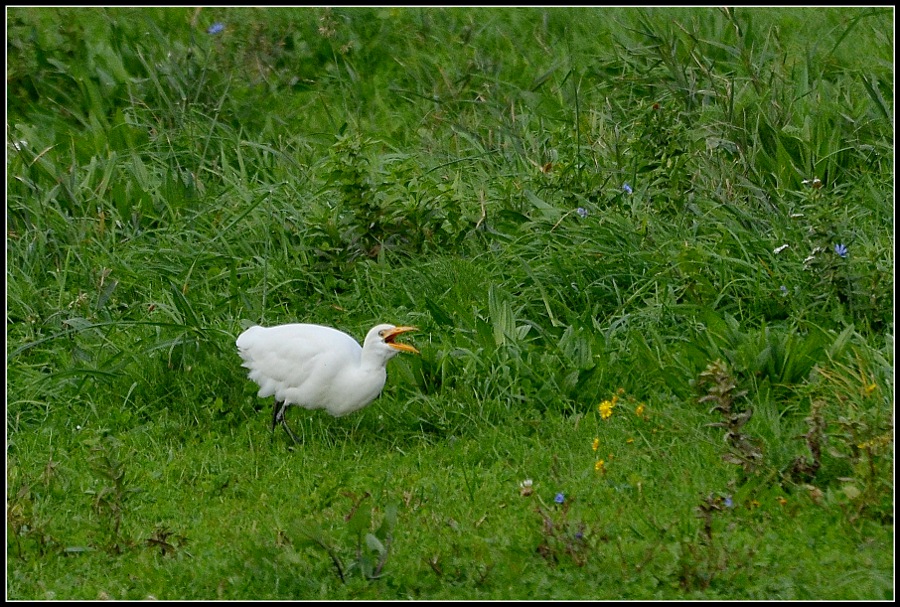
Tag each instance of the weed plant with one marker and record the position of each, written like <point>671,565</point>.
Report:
<point>650,252</point>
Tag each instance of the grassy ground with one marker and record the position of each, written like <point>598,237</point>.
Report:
<point>650,252</point>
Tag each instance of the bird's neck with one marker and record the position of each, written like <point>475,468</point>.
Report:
<point>372,361</point>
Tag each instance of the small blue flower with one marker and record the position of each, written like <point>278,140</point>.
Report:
<point>728,502</point>
<point>560,498</point>
<point>784,291</point>
<point>579,535</point>
<point>215,28</point>
<point>582,212</point>
<point>627,188</point>
<point>841,249</point>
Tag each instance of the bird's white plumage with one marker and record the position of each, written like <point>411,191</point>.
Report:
<point>318,367</point>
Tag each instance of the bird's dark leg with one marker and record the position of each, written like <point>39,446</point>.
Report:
<point>279,407</point>
<point>278,417</point>
<point>287,429</point>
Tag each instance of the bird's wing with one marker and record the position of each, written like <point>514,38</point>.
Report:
<point>296,362</point>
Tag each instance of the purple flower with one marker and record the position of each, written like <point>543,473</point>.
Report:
<point>582,212</point>
<point>560,498</point>
<point>841,249</point>
<point>627,188</point>
<point>215,28</point>
<point>729,503</point>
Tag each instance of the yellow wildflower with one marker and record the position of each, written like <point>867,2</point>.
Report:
<point>596,444</point>
<point>599,466</point>
<point>639,411</point>
<point>606,408</point>
<point>781,500</point>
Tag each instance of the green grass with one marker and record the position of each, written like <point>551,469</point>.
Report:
<point>576,206</point>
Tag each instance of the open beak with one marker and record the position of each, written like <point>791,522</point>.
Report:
<point>390,336</point>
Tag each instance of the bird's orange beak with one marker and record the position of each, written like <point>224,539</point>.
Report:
<point>391,335</point>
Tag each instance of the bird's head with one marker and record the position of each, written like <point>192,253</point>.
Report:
<point>385,335</point>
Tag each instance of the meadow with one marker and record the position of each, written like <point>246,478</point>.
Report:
<point>649,252</point>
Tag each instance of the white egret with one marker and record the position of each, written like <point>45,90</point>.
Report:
<point>318,367</point>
